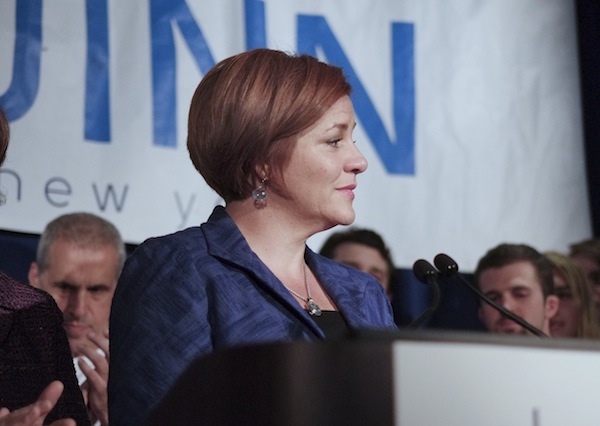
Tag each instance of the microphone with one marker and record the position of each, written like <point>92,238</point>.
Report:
<point>448,267</point>
<point>427,274</point>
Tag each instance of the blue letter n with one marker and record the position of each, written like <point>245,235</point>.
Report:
<point>164,99</point>
<point>398,156</point>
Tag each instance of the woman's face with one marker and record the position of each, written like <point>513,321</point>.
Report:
<point>320,177</point>
<point>566,321</point>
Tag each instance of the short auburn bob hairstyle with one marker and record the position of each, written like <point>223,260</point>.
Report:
<point>247,112</point>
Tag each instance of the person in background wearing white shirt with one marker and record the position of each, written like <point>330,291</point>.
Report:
<point>79,259</point>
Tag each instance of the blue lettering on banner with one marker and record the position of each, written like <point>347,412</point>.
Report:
<point>23,88</point>
<point>256,33</point>
<point>397,154</point>
<point>164,99</point>
<point>97,80</point>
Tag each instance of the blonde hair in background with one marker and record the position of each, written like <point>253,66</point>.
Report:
<point>582,293</point>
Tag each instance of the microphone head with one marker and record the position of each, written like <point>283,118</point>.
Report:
<point>423,269</point>
<point>446,265</point>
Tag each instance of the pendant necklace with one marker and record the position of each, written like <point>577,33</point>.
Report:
<point>311,307</point>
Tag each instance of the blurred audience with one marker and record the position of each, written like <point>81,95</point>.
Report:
<point>520,279</point>
<point>586,254</point>
<point>79,259</point>
<point>576,316</point>
<point>364,250</point>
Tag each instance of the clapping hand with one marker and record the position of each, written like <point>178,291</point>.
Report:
<point>94,388</point>
<point>35,414</point>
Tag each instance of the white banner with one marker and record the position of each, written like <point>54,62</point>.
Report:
<point>468,113</point>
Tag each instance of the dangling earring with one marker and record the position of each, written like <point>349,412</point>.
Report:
<point>260,195</point>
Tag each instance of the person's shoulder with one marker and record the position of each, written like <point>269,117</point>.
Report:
<point>326,262</point>
<point>184,240</point>
<point>330,264</point>
<point>15,295</point>
<point>175,253</point>
<point>342,272</point>
<point>183,237</point>
<point>190,241</point>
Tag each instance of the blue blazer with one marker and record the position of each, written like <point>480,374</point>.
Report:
<point>202,289</point>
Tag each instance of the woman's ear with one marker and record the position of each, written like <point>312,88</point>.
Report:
<point>262,171</point>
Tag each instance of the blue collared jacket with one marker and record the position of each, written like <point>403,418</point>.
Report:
<point>187,294</point>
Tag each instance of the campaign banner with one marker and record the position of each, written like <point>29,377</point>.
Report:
<point>468,113</point>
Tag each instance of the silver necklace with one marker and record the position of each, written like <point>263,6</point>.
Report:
<point>311,307</point>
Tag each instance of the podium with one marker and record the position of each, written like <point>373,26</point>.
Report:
<point>408,379</point>
<point>298,383</point>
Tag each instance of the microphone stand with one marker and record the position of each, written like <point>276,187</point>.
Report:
<point>427,274</point>
<point>448,267</point>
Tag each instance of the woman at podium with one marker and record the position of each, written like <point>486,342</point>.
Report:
<point>271,133</point>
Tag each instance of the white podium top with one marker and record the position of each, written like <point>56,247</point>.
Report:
<point>490,380</point>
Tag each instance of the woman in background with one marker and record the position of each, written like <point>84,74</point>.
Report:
<point>576,316</point>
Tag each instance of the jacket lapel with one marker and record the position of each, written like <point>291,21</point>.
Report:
<point>345,289</point>
<point>226,242</point>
